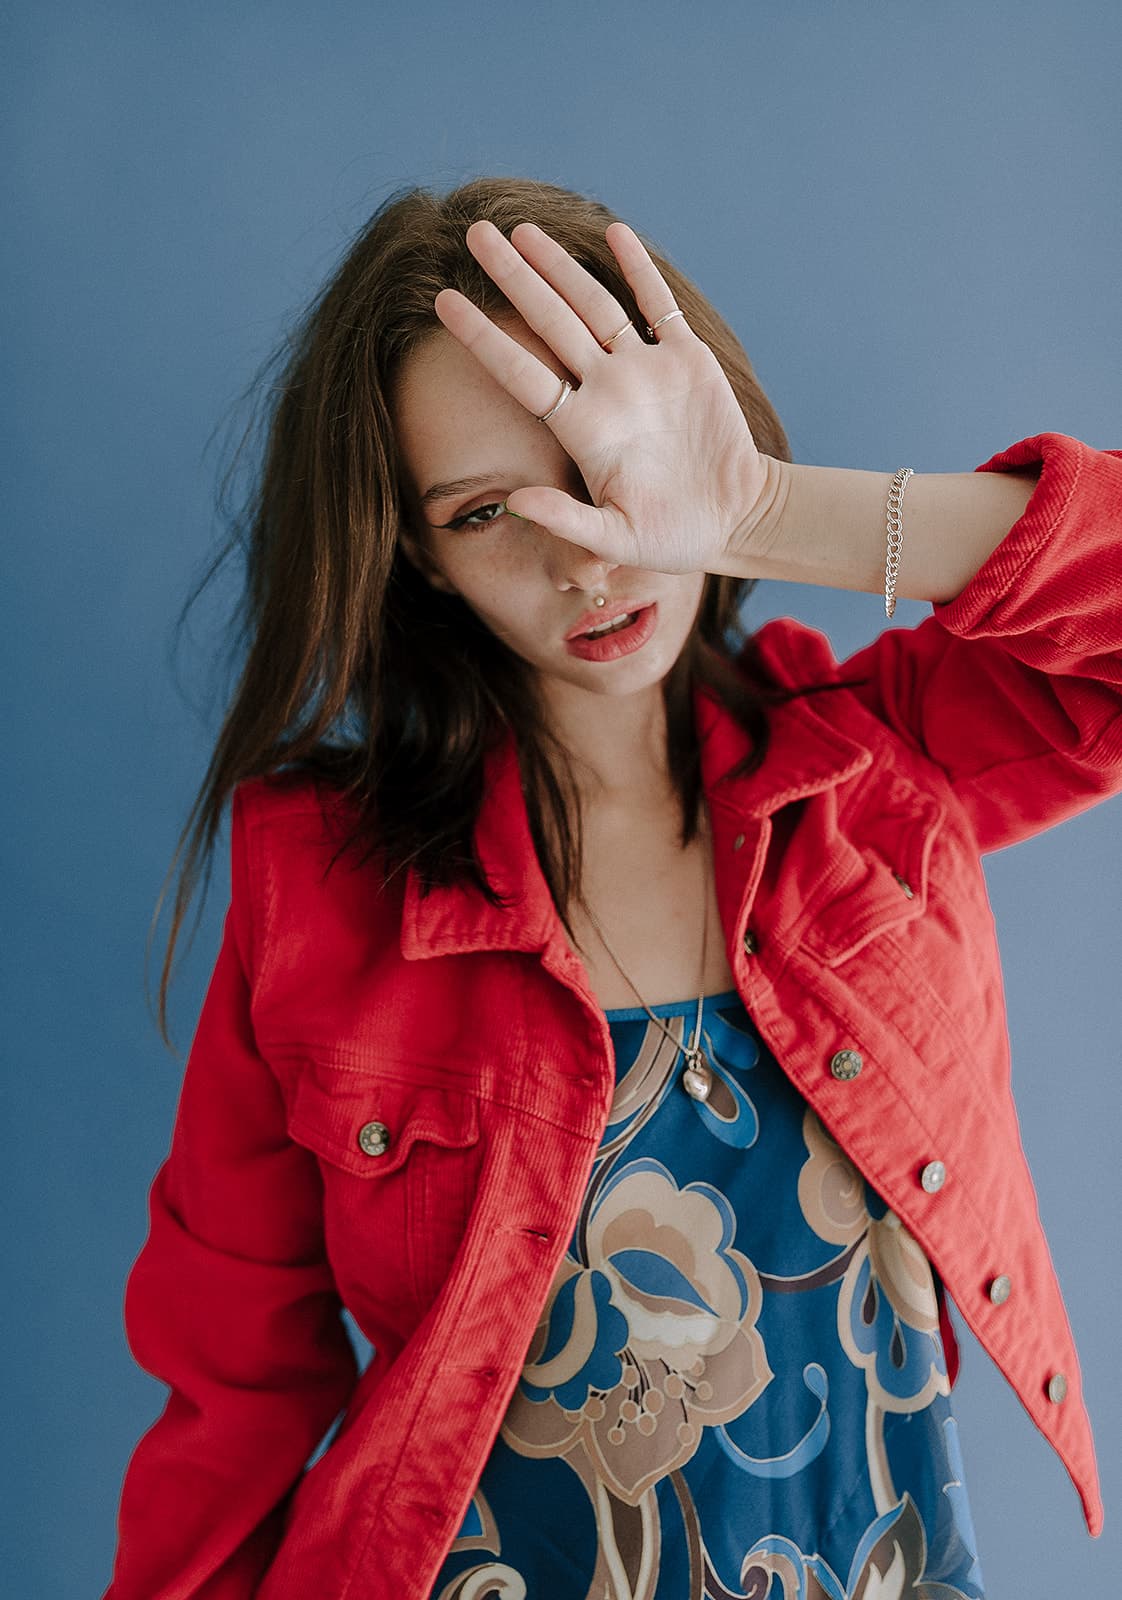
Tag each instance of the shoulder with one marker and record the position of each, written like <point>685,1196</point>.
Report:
<point>276,794</point>
<point>789,653</point>
<point>793,659</point>
<point>278,801</point>
<point>305,881</point>
<point>287,829</point>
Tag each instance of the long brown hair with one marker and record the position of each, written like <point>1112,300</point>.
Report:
<point>356,670</point>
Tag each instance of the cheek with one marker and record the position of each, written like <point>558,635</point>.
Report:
<point>682,604</point>
<point>493,578</point>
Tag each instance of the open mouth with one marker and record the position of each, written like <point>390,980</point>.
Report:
<point>615,626</point>
<point>619,636</point>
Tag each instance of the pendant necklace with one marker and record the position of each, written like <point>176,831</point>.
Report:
<point>697,1077</point>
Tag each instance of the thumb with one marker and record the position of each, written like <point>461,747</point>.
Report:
<point>558,512</point>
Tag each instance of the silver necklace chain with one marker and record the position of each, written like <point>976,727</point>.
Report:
<point>698,1075</point>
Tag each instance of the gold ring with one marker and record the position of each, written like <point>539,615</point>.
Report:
<point>566,391</point>
<point>606,344</point>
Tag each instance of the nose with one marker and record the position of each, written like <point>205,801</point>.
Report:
<point>571,566</point>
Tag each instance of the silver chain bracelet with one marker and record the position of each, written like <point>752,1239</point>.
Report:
<point>895,537</point>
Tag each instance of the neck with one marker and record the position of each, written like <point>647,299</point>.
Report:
<point>618,745</point>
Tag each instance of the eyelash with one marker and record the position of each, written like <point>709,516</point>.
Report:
<point>463,521</point>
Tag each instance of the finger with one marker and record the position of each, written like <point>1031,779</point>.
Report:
<point>596,306</point>
<point>537,301</point>
<point>651,289</point>
<point>521,374</point>
<point>568,518</point>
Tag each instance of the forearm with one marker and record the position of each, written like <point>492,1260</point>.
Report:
<point>826,525</point>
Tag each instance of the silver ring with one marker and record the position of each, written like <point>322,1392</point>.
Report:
<point>606,344</point>
<point>655,325</point>
<point>566,391</point>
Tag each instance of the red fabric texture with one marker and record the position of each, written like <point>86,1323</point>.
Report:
<point>471,1034</point>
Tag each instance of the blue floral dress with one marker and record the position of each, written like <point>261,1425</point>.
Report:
<point>737,1386</point>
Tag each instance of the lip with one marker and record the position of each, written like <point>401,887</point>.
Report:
<point>592,619</point>
<point>614,645</point>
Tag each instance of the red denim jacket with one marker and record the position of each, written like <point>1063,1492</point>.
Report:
<point>392,1102</point>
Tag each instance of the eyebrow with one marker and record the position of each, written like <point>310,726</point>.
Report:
<point>445,491</point>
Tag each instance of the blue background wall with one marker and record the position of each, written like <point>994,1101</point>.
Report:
<point>911,215</point>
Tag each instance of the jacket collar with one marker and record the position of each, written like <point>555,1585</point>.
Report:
<point>456,917</point>
<point>805,756</point>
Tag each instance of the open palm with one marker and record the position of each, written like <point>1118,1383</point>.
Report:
<point>654,429</point>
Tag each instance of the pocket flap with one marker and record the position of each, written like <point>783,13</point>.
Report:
<point>332,1106</point>
<point>887,882</point>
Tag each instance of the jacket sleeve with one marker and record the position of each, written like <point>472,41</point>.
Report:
<point>232,1304</point>
<point>1014,687</point>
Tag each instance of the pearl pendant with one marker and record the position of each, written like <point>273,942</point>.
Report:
<point>697,1078</point>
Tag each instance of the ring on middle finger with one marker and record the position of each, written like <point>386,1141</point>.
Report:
<point>566,391</point>
<point>677,312</point>
<point>606,344</point>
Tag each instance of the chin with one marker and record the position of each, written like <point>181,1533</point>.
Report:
<point>628,676</point>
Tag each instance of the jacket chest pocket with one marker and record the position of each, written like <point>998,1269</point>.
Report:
<point>400,1165</point>
<point>880,873</point>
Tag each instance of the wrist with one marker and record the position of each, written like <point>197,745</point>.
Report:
<point>754,535</point>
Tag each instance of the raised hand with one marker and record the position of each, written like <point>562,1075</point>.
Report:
<point>654,429</point>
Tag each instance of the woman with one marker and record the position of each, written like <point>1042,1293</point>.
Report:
<point>608,1014</point>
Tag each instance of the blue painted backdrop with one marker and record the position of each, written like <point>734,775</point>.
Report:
<point>911,215</point>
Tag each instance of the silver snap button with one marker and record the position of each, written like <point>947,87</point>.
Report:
<point>738,842</point>
<point>751,944</point>
<point>905,885</point>
<point>1001,1288</point>
<point>846,1064</point>
<point>374,1138</point>
<point>1057,1387</point>
<point>933,1176</point>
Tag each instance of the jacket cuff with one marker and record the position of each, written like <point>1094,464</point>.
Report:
<point>1058,571</point>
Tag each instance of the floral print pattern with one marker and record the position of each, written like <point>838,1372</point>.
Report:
<point>737,1385</point>
<point>888,1313</point>
<point>650,1342</point>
